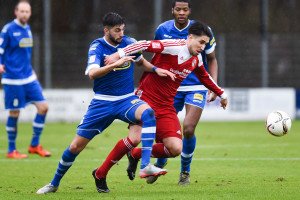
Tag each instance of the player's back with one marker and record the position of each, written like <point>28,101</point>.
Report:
<point>118,82</point>
<point>16,46</point>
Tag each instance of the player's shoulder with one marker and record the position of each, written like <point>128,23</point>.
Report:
<point>167,25</point>
<point>96,44</point>
<point>7,27</point>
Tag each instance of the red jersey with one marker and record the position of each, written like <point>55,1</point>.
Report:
<point>174,56</point>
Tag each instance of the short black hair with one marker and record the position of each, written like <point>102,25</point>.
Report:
<point>199,29</point>
<point>112,19</point>
<point>186,1</point>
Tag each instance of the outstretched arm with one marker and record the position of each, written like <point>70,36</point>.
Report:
<point>208,82</point>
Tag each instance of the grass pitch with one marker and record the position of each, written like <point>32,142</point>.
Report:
<point>233,160</point>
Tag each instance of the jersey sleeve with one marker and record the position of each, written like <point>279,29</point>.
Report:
<point>207,80</point>
<point>138,55</point>
<point>210,47</point>
<point>4,40</point>
<point>153,46</point>
<point>158,33</point>
<point>94,58</point>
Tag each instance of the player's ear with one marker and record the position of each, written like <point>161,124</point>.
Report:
<point>172,11</point>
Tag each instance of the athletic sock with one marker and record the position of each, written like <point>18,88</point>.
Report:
<point>187,153</point>
<point>148,136</point>
<point>11,129</point>
<point>121,148</point>
<point>65,163</point>
<point>37,125</point>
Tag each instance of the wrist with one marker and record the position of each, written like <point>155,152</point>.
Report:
<point>223,96</point>
<point>154,69</point>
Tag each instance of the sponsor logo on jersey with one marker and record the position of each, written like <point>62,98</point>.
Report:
<point>182,74</point>
<point>198,97</point>
<point>135,101</point>
<point>156,45</point>
<point>26,42</point>
<point>126,65</point>
<point>16,34</point>
<point>167,36</point>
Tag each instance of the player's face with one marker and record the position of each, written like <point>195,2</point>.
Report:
<point>115,34</point>
<point>196,44</point>
<point>23,12</point>
<point>181,12</point>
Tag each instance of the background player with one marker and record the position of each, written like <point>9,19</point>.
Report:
<point>114,99</point>
<point>20,84</point>
<point>191,93</point>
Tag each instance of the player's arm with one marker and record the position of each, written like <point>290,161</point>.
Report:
<point>4,40</point>
<point>148,67</point>
<point>209,83</point>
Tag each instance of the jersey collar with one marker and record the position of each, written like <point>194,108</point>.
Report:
<point>109,43</point>
<point>19,23</point>
<point>183,28</point>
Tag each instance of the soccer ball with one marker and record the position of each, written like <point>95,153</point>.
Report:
<point>278,123</point>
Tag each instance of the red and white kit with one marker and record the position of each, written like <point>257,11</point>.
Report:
<point>159,92</point>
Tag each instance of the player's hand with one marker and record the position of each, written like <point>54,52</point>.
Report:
<point>211,96</point>
<point>163,72</point>
<point>224,103</point>
<point>121,61</point>
<point>111,58</point>
<point>2,69</point>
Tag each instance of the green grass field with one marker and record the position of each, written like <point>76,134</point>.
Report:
<point>233,160</point>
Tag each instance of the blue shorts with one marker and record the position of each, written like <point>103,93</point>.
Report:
<point>18,96</point>
<point>194,98</point>
<point>101,114</point>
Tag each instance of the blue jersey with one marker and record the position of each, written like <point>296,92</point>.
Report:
<point>117,82</point>
<point>15,53</point>
<point>168,30</point>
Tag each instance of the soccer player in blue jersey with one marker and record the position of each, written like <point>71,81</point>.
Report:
<point>20,83</point>
<point>191,93</point>
<point>114,99</point>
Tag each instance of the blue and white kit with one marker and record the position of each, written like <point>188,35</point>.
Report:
<point>19,81</point>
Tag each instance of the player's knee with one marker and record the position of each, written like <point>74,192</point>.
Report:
<point>75,148</point>
<point>43,109</point>
<point>189,130</point>
<point>175,151</point>
<point>148,117</point>
<point>14,113</point>
<point>135,141</point>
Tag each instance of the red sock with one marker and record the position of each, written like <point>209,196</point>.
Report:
<point>160,151</point>
<point>121,148</point>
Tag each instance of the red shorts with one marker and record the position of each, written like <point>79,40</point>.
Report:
<point>167,125</point>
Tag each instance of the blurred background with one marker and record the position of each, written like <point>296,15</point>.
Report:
<point>258,41</point>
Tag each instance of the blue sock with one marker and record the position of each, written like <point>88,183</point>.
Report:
<point>11,129</point>
<point>160,162</point>
<point>37,125</point>
<point>187,153</point>
<point>64,164</point>
<point>148,135</point>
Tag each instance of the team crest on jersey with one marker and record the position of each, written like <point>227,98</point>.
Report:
<point>26,42</point>
<point>194,63</point>
<point>126,65</point>
<point>156,45</point>
<point>198,97</point>
<point>139,93</point>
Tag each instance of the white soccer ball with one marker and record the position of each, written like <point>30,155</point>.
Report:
<point>278,123</point>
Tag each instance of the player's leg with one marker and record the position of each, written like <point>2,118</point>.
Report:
<point>178,104</point>
<point>14,101</point>
<point>194,104</point>
<point>94,122</point>
<point>33,93</point>
<point>67,159</point>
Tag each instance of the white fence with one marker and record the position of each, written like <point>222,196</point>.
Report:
<point>69,105</point>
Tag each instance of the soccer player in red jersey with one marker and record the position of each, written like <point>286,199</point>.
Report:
<point>180,57</point>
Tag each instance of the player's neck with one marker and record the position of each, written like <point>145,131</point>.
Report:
<point>181,26</point>
<point>109,41</point>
